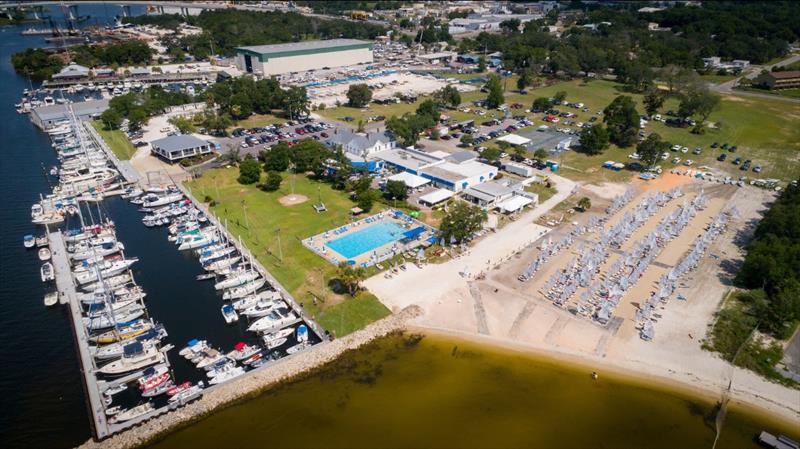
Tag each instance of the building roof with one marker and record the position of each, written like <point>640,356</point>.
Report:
<point>411,180</point>
<point>437,196</point>
<point>439,55</point>
<point>178,142</point>
<point>514,203</point>
<point>410,159</point>
<point>493,188</point>
<point>139,71</point>
<point>786,74</point>
<point>304,46</point>
<point>81,109</point>
<point>345,137</point>
<point>461,156</point>
<point>72,70</point>
<point>515,139</point>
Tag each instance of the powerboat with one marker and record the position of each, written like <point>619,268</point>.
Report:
<point>47,272</point>
<point>184,395</point>
<point>133,413</point>
<point>272,321</point>
<point>242,351</point>
<point>194,346</point>
<point>297,348</point>
<point>44,254</point>
<point>210,357</point>
<point>261,308</point>
<point>29,241</point>
<point>229,313</point>
<point>135,356</point>
<point>226,375</point>
<point>108,268</point>
<point>51,298</point>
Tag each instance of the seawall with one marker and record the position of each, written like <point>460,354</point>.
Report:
<point>256,382</point>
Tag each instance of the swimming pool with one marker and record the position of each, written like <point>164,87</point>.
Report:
<point>367,239</point>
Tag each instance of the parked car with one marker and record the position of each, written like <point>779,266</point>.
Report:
<point>676,160</point>
<point>757,169</point>
<point>698,150</point>
<point>733,149</point>
<point>737,161</point>
<point>722,157</point>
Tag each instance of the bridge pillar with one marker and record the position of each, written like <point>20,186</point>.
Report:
<point>185,12</point>
<point>161,10</point>
<point>126,10</point>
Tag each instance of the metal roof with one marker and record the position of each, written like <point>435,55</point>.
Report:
<point>302,46</point>
<point>410,179</point>
<point>437,196</point>
<point>82,109</point>
<point>178,142</point>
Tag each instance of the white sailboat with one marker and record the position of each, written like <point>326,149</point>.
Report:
<point>244,289</point>
<point>272,321</point>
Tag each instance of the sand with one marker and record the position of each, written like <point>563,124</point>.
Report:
<point>502,310</point>
<point>291,200</point>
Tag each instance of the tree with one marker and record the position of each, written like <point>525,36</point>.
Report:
<point>217,122</point>
<point>540,104</point>
<point>448,96</point>
<point>111,119</point>
<point>491,154</point>
<point>699,102</point>
<point>540,154</point>
<point>367,198</point>
<point>241,106</point>
<point>622,121</point>
<point>407,128</point>
<point>428,108</point>
<point>584,204</point>
<point>461,221</point>
<point>650,149</point>
<point>295,101</point>
<point>350,276</point>
<point>653,100</point>
<point>481,64</point>
<point>397,190</point>
<point>310,155</point>
<point>184,125</point>
<point>559,97</point>
<point>138,118</point>
<point>510,26</point>
<point>249,171</point>
<point>495,88</point>
<point>273,181</point>
<point>277,158</point>
<point>467,139</point>
<point>594,139</point>
<point>358,95</point>
<point>525,79</point>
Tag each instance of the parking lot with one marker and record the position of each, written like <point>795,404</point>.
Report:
<point>254,140</point>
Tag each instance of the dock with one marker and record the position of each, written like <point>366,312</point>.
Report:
<point>94,388</point>
<point>68,295</point>
<point>146,79</point>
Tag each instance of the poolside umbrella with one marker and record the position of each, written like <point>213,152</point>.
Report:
<point>351,262</point>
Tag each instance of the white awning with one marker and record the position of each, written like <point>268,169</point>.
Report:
<point>515,139</point>
<point>413,181</point>
<point>436,197</point>
<point>514,203</point>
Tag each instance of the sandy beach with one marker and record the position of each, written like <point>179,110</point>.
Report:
<point>504,311</point>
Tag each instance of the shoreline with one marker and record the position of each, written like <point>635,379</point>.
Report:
<point>687,383</point>
<point>254,384</point>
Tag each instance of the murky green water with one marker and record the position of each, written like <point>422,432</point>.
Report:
<point>443,393</point>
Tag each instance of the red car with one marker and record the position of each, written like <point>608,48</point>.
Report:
<point>324,134</point>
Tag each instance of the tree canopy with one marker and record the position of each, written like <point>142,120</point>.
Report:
<point>594,139</point>
<point>622,121</point>
<point>650,149</point>
<point>249,171</point>
<point>495,87</point>
<point>460,221</point>
<point>358,95</point>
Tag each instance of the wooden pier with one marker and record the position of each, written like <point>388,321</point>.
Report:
<point>125,168</point>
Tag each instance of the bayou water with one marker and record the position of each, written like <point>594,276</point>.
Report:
<point>439,392</point>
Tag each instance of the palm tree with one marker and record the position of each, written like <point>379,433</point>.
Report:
<point>351,276</point>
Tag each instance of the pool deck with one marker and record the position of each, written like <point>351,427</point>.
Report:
<point>318,243</point>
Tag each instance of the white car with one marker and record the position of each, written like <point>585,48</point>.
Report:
<point>688,162</point>
<point>676,160</point>
<point>684,150</point>
<point>634,156</point>
<point>676,147</point>
<point>664,156</point>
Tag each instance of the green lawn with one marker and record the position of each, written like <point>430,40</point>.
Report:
<point>544,192</point>
<point>258,120</point>
<point>718,79</point>
<point>116,140</point>
<point>264,224</point>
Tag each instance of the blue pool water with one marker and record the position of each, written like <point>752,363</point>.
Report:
<point>367,239</point>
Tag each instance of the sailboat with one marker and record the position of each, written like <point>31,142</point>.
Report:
<point>237,279</point>
<point>244,289</point>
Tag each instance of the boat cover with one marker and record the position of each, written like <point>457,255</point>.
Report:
<point>227,308</point>
<point>133,349</point>
<point>239,346</point>
<point>193,342</point>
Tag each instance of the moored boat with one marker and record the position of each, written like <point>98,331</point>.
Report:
<point>135,412</point>
<point>135,356</point>
<point>47,272</point>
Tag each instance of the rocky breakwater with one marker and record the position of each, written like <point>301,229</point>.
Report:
<point>256,382</point>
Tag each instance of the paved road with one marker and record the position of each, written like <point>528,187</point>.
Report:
<point>752,72</point>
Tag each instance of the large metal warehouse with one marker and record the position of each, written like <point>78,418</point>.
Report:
<point>267,60</point>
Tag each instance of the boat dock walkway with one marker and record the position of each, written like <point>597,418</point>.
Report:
<point>94,387</point>
<point>68,294</point>
<point>125,168</point>
<point>152,78</point>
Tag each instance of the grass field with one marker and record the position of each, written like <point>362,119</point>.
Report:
<point>116,140</point>
<point>257,121</point>
<point>718,79</point>
<point>273,232</point>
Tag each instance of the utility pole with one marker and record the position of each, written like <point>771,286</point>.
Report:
<point>280,248</point>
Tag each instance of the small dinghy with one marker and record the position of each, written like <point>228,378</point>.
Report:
<point>51,299</point>
<point>29,241</point>
<point>44,254</point>
<point>47,272</point>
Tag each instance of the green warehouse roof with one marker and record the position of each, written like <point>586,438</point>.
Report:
<point>303,48</point>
